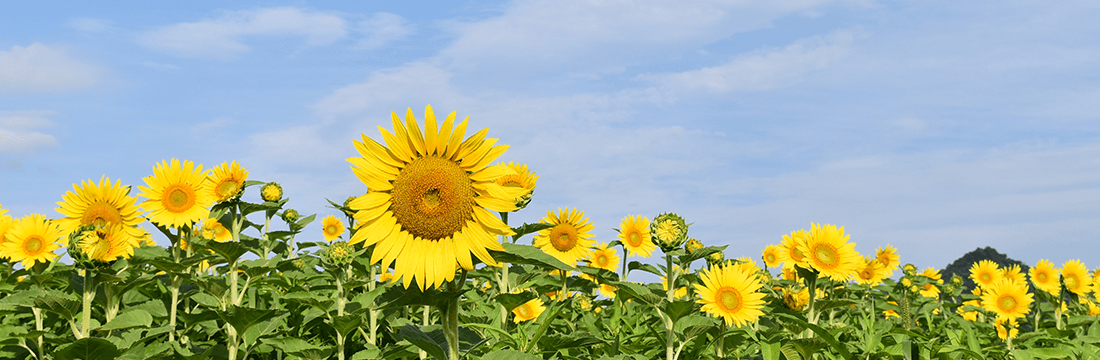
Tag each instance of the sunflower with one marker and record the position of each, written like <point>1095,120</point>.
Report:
<point>1012,272</point>
<point>828,251</point>
<point>33,239</point>
<point>6,224</point>
<point>332,227</point>
<point>177,195</point>
<point>214,230</point>
<point>607,290</point>
<point>429,200</point>
<point>1006,328</point>
<point>530,310</point>
<point>1076,277</point>
<point>930,289</point>
<point>985,273</point>
<point>635,236</point>
<point>773,256</point>
<point>227,181</point>
<point>969,315</point>
<point>1007,299</point>
<point>603,257</point>
<point>871,272</point>
<point>570,239</point>
<point>790,273</point>
<point>887,256</point>
<point>519,185</point>
<point>791,246</point>
<point>108,243</point>
<point>102,204</point>
<point>669,230</point>
<point>730,293</point>
<point>272,192</point>
<point>796,300</point>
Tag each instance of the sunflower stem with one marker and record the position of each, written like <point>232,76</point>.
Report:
<point>503,284</point>
<point>89,295</point>
<point>670,325</point>
<point>371,284</point>
<point>450,318</point>
<point>427,314</point>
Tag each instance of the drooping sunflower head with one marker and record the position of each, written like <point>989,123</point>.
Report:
<point>520,185</point>
<point>332,227</point>
<point>796,298</point>
<point>730,293</point>
<point>32,239</point>
<point>887,256</point>
<point>272,192</point>
<point>773,256</point>
<point>792,246</point>
<point>985,273</point>
<point>178,195</point>
<point>669,231</point>
<point>871,272</point>
<point>1007,298</point>
<point>430,199</point>
<point>635,236</point>
<point>530,310</point>
<point>214,230</point>
<point>227,181</point>
<point>603,257</point>
<point>1045,277</point>
<point>1076,277</point>
<point>101,204</point>
<point>570,239</point>
<point>106,244</point>
<point>828,251</point>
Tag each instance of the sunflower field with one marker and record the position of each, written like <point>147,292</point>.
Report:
<point>425,265</point>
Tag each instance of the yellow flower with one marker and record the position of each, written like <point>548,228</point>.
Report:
<point>792,247</point>
<point>890,313</point>
<point>214,230</point>
<point>969,315</point>
<point>430,200</point>
<point>1012,272</point>
<point>603,257</point>
<point>1093,309</point>
<point>796,300</point>
<point>6,224</point>
<point>1006,328</point>
<point>227,181</point>
<point>332,227</point>
<point>790,273</point>
<point>608,291</point>
<point>828,251</point>
<point>1045,277</point>
<point>871,273</point>
<point>930,289</point>
<point>773,256</point>
<point>107,244</point>
<point>887,256</point>
<point>177,195</point>
<point>985,273</point>
<point>1076,277</point>
<point>102,205</point>
<point>693,245</point>
<point>530,310</point>
<point>731,293</point>
<point>635,236</point>
<point>1007,298</point>
<point>519,185</point>
<point>32,240</point>
<point>271,191</point>
<point>388,276</point>
<point>570,239</point>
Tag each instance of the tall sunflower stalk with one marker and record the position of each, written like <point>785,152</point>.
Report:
<point>670,232</point>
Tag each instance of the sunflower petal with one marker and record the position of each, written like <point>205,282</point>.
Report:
<point>456,140</point>
<point>443,139</point>
<point>474,157</point>
<point>491,156</point>
<point>430,131</point>
<point>492,172</point>
<point>462,251</point>
<point>471,143</point>
<point>397,144</point>
<point>370,200</point>
<point>415,136</point>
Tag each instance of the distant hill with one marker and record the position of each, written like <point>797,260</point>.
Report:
<point>961,266</point>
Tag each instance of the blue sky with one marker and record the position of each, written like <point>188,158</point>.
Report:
<point>934,126</point>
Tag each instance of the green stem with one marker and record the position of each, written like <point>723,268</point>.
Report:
<point>340,301</point>
<point>503,284</point>
<point>622,276</point>
<point>670,325</point>
<point>89,295</point>
<point>373,312</point>
<point>427,313</point>
<point>38,326</point>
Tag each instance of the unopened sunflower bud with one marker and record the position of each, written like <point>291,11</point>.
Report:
<point>290,216</point>
<point>347,206</point>
<point>271,191</point>
<point>669,231</point>
<point>956,280</point>
<point>338,254</point>
<point>909,269</point>
<point>693,245</point>
<point>716,258</point>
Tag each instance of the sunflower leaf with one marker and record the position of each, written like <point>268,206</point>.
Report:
<point>88,349</point>
<point>512,301</point>
<point>678,309</point>
<point>634,265</point>
<point>529,228</point>
<point>687,259</point>
<point>231,251</point>
<point>128,319</point>
<point>509,354</point>
<point>432,345</point>
<point>530,255</point>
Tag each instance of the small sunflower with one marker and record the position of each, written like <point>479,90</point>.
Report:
<point>1076,277</point>
<point>101,204</point>
<point>969,315</point>
<point>773,256</point>
<point>178,196</point>
<point>1007,299</point>
<point>530,310</point>
<point>931,288</point>
<point>603,257</point>
<point>332,227</point>
<point>271,191</point>
<point>731,294</point>
<point>829,252</point>
<point>214,230</point>
<point>887,256</point>
<point>792,247</point>
<point>6,224</point>
<point>985,273</point>
<point>871,272</point>
<point>570,239</point>
<point>1006,328</point>
<point>635,236</point>
<point>1012,272</point>
<point>108,243</point>
<point>227,181</point>
<point>520,185</point>
<point>33,239</point>
<point>607,291</point>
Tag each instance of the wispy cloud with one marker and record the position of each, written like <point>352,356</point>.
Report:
<point>91,25</point>
<point>381,29</point>
<point>19,134</point>
<point>41,68</point>
<point>222,38</point>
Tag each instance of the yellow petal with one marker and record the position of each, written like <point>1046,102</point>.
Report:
<point>496,204</point>
<point>493,154</point>
<point>381,153</point>
<point>445,134</point>
<point>471,144</point>
<point>415,135</point>
<point>492,222</point>
<point>492,172</point>
<point>456,140</point>
<point>370,200</point>
<point>474,157</point>
<point>397,144</point>
<point>462,251</point>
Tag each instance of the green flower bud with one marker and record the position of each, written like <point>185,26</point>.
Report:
<point>271,191</point>
<point>669,231</point>
<point>693,245</point>
<point>290,216</point>
<point>338,254</point>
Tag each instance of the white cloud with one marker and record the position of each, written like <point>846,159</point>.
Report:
<point>391,90</point>
<point>18,134</point>
<point>41,68</point>
<point>91,25</point>
<point>764,69</point>
<point>221,38</point>
<point>382,29</point>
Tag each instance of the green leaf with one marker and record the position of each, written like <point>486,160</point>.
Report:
<point>60,303</point>
<point>530,255</point>
<point>230,251</point>
<point>128,319</point>
<point>634,265</point>
<point>528,229</point>
<point>434,347</point>
<point>699,254</point>
<point>1042,353</point>
<point>88,349</point>
<point>566,341</point>
<point>629,290</point>
<point>678,309</point>
<point>821,333</point>
<point>770,351</point>
<point>243,318</point>
<point>826,304</point>
<point>509,354</point>
<point>344,325</point>
<point>396,296</point>
<point>512,301</point>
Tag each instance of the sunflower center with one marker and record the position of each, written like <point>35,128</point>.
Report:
<point>728,299</point>
<point>33,244</point>
<point>797,254</point>
<point>985,277</point>
<point>101,213</point>
<point>634,238</point>
<point>524,311</point>
<point>601,260</point>
<point>219,230</point>
<point>1007,303</point>
<point>770,258</point>
<point>227,188</point>
<point>1042,277</point>
<point>511,183</point>
<point>563,237</point>
<point>331,229</point>
<point>433,198</point>
<point>826,255</point>
<point>179,198</point>
<point>866,274</point>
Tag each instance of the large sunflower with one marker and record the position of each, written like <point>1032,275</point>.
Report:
<point>1076,277</point>
<point>102,205</point>
<point>33,239</point>
<point>635,236</point>
<point>108,243</point>
<point>178,196</point>
<point>985,273</point>
<point>227,181</point>
<point>730,293</point>
<point>603,257</point>
<point>570,239</point>
<point>429,200</point>
<point>1045,277</point>
<point>828,251</point>
<point>791,245</point>
<point>520,185</point>
<point>1007,298</point>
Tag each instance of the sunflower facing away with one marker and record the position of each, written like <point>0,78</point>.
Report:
<point>33,239</point>
<point>603,257</point>
<point>332,227</point>
<point>1006,328</point>
<point>227,181</point>
<point>828,251</point>
<point>570,239</point>
<point>773,256</point>
<point>178,196</point>
<point>635,236</point>
<point>1045,277</point>
<point>730,293</point>
<point>430,200</point>
<point>1007,299</point>
<point>530,310</point>
<point>985,273</point>
<point>520,185</point>
<point>107,243</point>
<point>102,205</point>
<point>214,230</point>
<point>1076,277</point>
<point>5,224</point>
